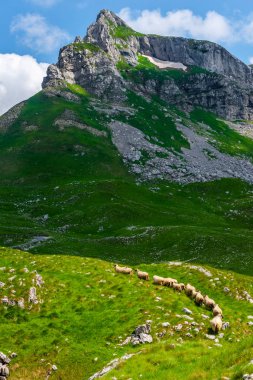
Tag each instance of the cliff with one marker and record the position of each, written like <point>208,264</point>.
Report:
<point>214,80</point>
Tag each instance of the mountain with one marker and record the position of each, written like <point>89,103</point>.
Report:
<point>139,151</point>
<point>215,80</point>
<point>115,158</point>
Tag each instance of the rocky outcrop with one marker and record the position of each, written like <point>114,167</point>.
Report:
<point>110,366</point>
<point>142,335</point>
<point>69,119</point>
<point>205,54</point>
<point>200,162</point>
<point>10,117</point>
<point>4,366</point>
<point>90,62</point>
<point>225,88</point>
<point>214,92</point>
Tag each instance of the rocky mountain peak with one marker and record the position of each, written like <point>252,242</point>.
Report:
<point>100,33</point>
<point>106,16</point>
<point>208,76</point>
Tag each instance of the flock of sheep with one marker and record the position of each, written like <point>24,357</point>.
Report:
<point>190,291</point>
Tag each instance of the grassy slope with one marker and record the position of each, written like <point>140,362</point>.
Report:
<point>95,208</point>
<point>86,308</point>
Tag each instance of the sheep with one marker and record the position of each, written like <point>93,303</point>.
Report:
<point>209,303</point>
<point>216,324</point>
<point>217,311</point>
<point>142,275</point>
<point>169,281</point>
<point>179,287</point>
<point>189,289</point>
<point>199,299</point>
<point>158,280</point>
<point>193,294</point>
<point>123,270</point>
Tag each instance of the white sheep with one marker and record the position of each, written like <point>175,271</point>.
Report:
<point>189,289</point>
<point>208,302</point>
<point>158,280</point>
<point>124,270</point>
<point>199,299</point>
<point>179,287</point>
<point>142,275</point>
<point>217,311</point>
<point>216,324</point>
<point>169,281</point>
<point>193,294</point>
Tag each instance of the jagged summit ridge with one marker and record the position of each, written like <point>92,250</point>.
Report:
<point>224,85</point>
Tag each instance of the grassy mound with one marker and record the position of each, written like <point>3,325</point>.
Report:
<point>86,310</point>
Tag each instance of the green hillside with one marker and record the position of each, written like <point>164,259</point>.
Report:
<point>127,164</point>
<point>86,311</point>
<point>71,188</point>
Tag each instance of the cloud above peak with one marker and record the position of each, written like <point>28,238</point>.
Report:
<point>34,32</point>
<point>20,78</point>
<point>185,23</point>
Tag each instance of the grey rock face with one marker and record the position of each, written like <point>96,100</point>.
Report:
<point>190,52</point>
<point>141,335</point>
<point>10,116</point>
<point>57,92</point>
<point>92,65</point>
<point>200,163</point>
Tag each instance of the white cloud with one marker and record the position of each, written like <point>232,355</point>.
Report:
<point>44,3</point>
<point>213,26</point>
<point>20,78</point>
<point>37,34</point>
<point>251,60</point>
<point>247,31</point>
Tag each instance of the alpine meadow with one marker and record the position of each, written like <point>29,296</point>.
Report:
<point>126,213</point>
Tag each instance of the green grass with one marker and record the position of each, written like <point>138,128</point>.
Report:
<point>96,215</point>
<point>79,46</point>
<point>94,206</point>
<point>85,308</point>
<point>228,140</point>
<point>146,70</point>
<point>76,89</point>
<point>124,32</point>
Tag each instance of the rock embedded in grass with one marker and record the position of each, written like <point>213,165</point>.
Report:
<point>4,369</point>
<point>141,335</point>
<point>186,311</point>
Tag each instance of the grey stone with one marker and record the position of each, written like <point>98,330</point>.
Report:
<point>186,311</point>
<point>141,335</point>
<point>200,167</point>
<point>225,325</point>
<point>110,366</point>
<point>211,337</point>
<point>10,117</point>
<point>33,295</point>
<point>4,358</point>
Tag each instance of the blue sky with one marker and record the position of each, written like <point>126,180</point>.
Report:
<point>73,16</point>
<point>32,31</point>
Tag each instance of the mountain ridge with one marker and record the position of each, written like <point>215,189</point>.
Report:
<point>125,176</point>
<point>114,161</point>
<point>225,88</point>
